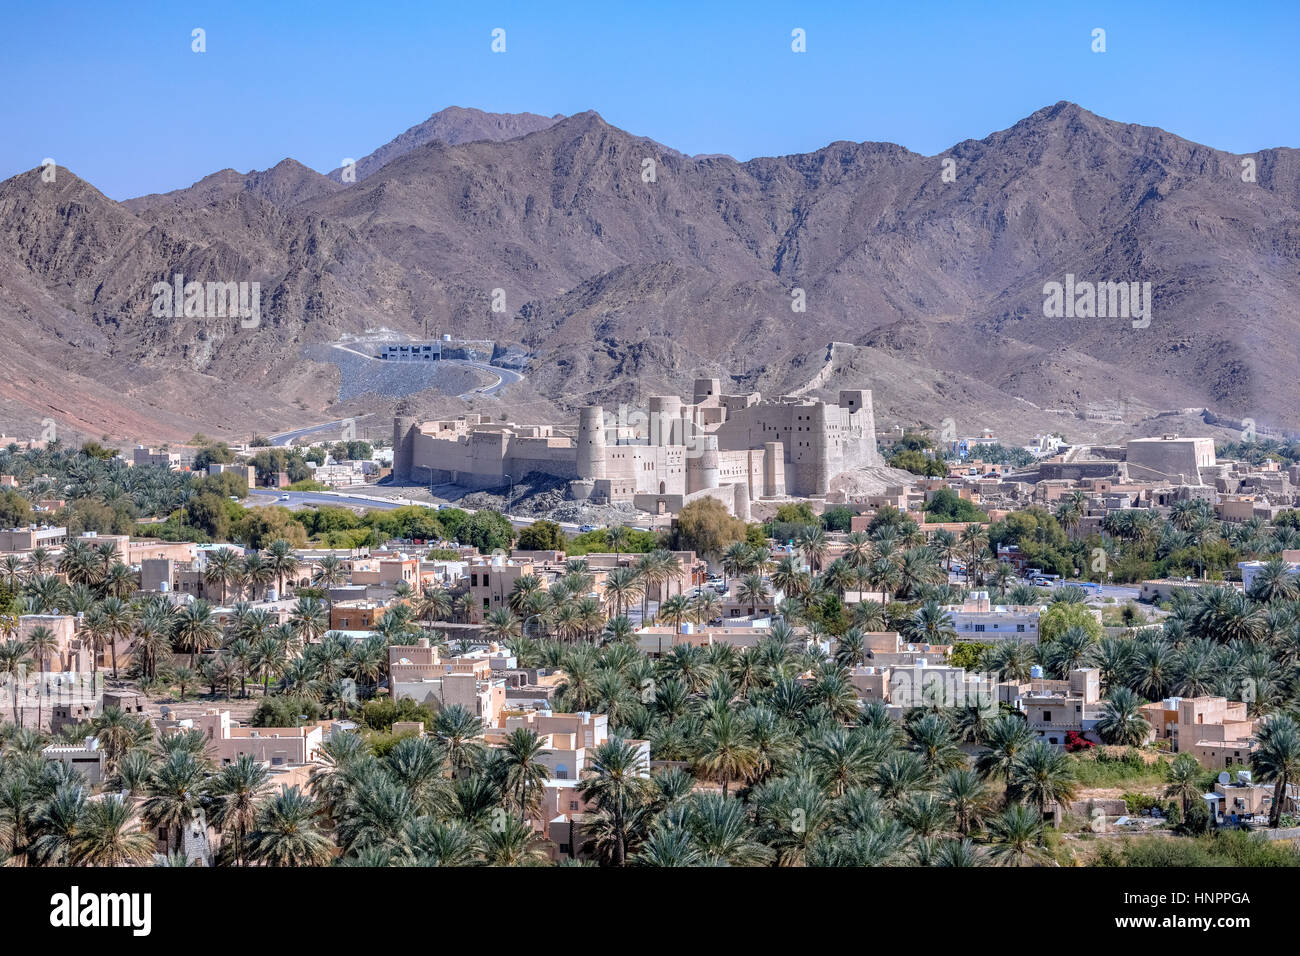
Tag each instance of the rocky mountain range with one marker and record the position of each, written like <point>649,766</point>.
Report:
<point>626,268</point>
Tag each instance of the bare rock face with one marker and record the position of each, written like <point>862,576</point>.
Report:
<point>451,126</point>
<point>627,268</point>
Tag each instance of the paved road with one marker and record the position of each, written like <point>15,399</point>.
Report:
<point>1118,592</point>
<point>284,438</point>
<point>504,377</point>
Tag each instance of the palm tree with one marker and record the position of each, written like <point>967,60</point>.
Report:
<point>723,832</point>
<point>726,752</point>
<point>622,586</point>
<point>812,542</point>
<point>968,796</point>
<point>119,623</point>
<point>13,657</point>
<point>1006,739</point>
<point>1121,720</point>
<point>932,739</point>
<point>434,604</point>
<point>753,592</point>
<point>12,568</point>
<point>1017,835</point>
<point>58,825</point>
<point>282,562</point>
<point>973,537</point>
<point>525,772</point>
<point>174,796</point>
<point>668,846</point>
<point>512,843</point>
<point>256,572</point>
<point>1277,758</point>
<point>616,538</point>
<point>842,760</point>
<point>118,732</point>
<point>461,733</point>
<point>153,635</point>
<point>196,629</point>
<point>617,784</point>
<point>931,624</point>
<point>41,643</point>
<point>944,544</point>
<point>1042,775</point>
<point>239,789</point>
<point>676,610</point>
<point>110,835</point>
<point>288,832</point>
<point>40,561</point>
<point>223,566</point>
<point>120,581</point>
<point>734,561</point>
<point>502,626</point>
<point>95,636</point>
<point>1184,776</point>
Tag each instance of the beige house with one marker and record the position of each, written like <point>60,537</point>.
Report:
<point>418,673</point>
<point>1215,730</point>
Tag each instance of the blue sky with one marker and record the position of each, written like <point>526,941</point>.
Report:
<point>114,92</point>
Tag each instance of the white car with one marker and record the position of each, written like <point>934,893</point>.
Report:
<point>284,497</point>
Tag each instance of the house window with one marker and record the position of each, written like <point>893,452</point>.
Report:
<point>1020,628</point>
<point>573,804</point>
<point>1047,717</point>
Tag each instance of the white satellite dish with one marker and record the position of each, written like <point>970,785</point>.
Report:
<point>1223,777</point>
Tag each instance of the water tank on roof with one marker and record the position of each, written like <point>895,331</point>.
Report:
<point>1036,672</point>
<point>688,627</point>
<point>920,662</point>
<point>272,594</point>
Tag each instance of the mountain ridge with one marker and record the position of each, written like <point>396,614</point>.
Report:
<point>620,287</point>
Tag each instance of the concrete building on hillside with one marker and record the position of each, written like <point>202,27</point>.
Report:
<point>1169,458</point>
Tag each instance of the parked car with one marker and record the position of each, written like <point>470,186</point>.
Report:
<point>284,497</point>
<point>586,528</point>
